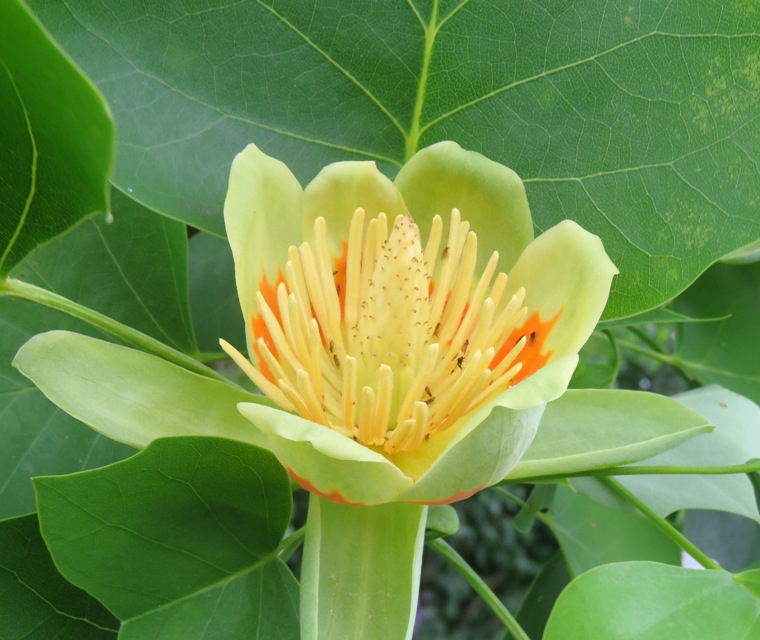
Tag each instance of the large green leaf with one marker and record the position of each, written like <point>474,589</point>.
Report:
<point>723,352</point>
<point>649,601</point>
<point>37,603</point>
<point>594,429</point>
<point>179,541</point>
<point>637,120</point>
<point>56,139</point>
<point>591,534</point>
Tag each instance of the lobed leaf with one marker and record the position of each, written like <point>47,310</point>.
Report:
<point>37,602</point>
<point>638,121</point>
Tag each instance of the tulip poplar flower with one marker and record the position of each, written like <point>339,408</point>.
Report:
<point>412,333</point>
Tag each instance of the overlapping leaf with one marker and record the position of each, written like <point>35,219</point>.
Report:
<point>37,602</point>
<point>175,548</point>
<point>724,352</point>
<point>56,139</point>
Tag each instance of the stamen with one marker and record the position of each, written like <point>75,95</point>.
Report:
<point>258,378</point>
<point>454,309</point>
<point>349,390</point>
<point>353,269</point>
<point>275,331</point>
<point>366,419</point>
<point>434,241</point>
<point>327,282</point>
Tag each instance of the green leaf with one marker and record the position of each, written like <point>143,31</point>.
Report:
<point>37,603</point>
<point>598,364</point>
<point>176,538</point>
<point>650,601</point>
<point>594,429</point>
<point>735,440</point>
<point>732,541</point>
<point>129,395</point>
<point>56,139</point>
<point>661,315</point>
<point>591,534</point>
<point>539,600</point>
<point>213,296</point>
<point>723,352</point>
<point>442,521</point>
<point>133,269</point>
<point>659,159</point>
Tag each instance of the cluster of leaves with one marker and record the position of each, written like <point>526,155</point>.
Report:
<point>638,120</point>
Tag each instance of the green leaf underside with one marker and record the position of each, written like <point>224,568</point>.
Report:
<point>55,155</point>
<point>204,542</point>
<point>650,601</point>
<point>37,603</point>
<point>591,535</point>
<point>311,87</point>
<point>725,352</point>
<point>594,429</point>
<point>736,440</point>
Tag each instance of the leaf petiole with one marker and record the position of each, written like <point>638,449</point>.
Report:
<point>661,523</point>
<point>15,288</point>
<point>446,551</point>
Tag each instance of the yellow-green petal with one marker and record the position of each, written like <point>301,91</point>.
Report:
<point>335,466</point>
<point>566,275</point>
<point>478,456</point>
<point>262,214</point>
<point>489,196</point>
<point>339,190</point>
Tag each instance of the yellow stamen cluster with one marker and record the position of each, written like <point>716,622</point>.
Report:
<point>400,359</point>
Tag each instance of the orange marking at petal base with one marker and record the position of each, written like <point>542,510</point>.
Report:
<point>532,356</point>
<point>462,495</point>
<point>259,327</point>
<point>339,272</point>
<point>334,495</point>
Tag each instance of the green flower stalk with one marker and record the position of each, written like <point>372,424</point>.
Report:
<point>412,333</point>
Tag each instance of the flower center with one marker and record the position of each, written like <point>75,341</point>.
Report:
<point>391,343</point>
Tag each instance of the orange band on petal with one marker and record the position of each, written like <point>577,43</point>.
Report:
<point>334,495</point>
<point>259,327</point>
<point>532,356</point>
